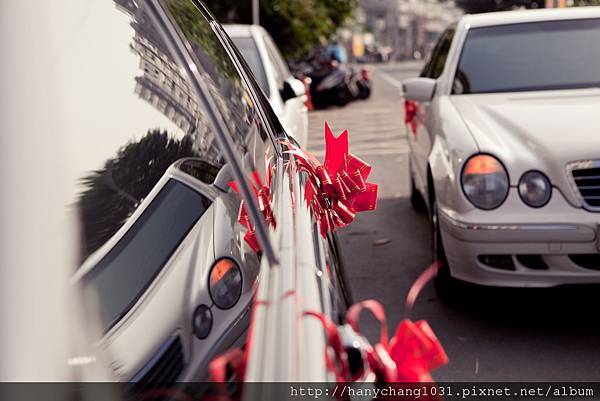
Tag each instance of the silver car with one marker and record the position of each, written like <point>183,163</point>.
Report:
<point>505,151</point>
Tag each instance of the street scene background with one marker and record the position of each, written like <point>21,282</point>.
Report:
<point>489,334</point>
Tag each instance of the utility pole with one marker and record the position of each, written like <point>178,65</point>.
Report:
<point>255,13</point>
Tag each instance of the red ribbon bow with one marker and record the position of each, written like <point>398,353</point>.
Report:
<point>262,193</point>
<point>337,189</point>
<point>413,352</point>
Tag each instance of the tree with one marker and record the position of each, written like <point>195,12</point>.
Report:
<point>112,193</point>
<point>296,25</point>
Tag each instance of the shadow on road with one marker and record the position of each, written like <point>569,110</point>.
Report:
<point>489,333</point>
<point>575,306</point>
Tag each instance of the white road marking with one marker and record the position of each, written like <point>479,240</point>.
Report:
<point>391,80</point>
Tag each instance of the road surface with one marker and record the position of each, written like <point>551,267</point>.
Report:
<point>489,334</point>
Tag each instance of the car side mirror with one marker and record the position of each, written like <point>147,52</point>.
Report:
<point>223,178</point>
<point>419,89</point>
<point>292,88</point>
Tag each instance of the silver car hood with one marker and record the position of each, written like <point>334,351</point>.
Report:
<point>536,130</point>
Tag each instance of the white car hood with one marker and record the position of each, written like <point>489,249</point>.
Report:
<point>543,130</point>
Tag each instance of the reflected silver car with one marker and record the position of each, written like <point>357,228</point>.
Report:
<point>180,255</point>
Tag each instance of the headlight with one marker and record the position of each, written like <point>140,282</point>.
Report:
<point>535,189</point>
<point>225,283</point>
<point>202,321</point>
<point>485,181</point>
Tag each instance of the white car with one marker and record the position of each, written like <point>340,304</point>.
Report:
<point>285,93</point>
<point>505,150</point>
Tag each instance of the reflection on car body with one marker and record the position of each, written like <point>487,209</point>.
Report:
<point>505,151</point>
<point>137,133</point>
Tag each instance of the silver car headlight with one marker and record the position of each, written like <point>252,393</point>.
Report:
<point>535,189</point>
<point>485,181</point>
<point>225,283</point>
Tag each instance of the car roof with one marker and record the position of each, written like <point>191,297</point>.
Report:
<point>242,30</point>
<point>521,16</point>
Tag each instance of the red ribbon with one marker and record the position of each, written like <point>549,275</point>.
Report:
<point>262,193</point>
<point>411,110</point>
<point>337,189</point>
<point>413,352</point>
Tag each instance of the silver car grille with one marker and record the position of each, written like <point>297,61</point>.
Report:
<point>586,177</point>
<point>162,370</point>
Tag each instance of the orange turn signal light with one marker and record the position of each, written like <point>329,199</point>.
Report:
<point>482,164</point>
<point>220,270</point>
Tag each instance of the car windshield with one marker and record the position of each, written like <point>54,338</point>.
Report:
<point>120,278</point>
<point>249,51</point>
<point>529,57</point>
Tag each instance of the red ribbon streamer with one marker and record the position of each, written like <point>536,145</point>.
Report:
<point>410,115</point>
<point>262,193</point>
<point>413,352</point>
<point>337,189</point>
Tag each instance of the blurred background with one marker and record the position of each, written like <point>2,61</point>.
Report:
<point>370,30</point>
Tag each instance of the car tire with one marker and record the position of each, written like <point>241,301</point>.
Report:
<point>445,285</point>
<point>344,95</point>
<point>416,199</point>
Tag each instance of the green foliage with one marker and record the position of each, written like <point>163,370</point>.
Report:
<point>296,25</point>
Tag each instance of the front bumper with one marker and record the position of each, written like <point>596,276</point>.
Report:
<point>560,245</point>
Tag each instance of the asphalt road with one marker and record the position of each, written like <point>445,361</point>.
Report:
<point>489,334</point>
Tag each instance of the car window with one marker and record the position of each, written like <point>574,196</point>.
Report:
<point>277,74</point>
<point>124,273</point>
<point>276,56</point>
<point>435,66</point>
<point>530,56</point>
<point>426,71</point>
<point>247,46</point>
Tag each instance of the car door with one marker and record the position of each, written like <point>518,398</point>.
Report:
<point>421,134</point>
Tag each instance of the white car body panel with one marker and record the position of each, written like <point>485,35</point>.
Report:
<point>293,114</point>
<point>536,130</point>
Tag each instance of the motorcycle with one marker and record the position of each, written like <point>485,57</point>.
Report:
<point>364,82</point>
<point>332,83</point>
